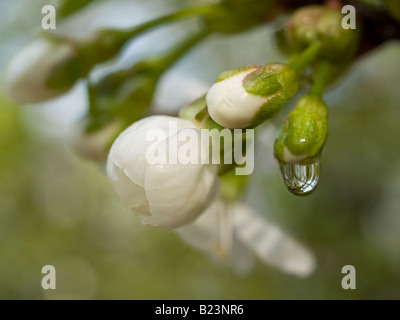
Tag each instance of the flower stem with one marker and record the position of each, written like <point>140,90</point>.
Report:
<point>179,15</point>
<point>179,50</point>
<point>321,76</point>
<point>232,185</point>
<point>300,61</point>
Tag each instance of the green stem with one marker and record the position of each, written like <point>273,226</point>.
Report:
<point>164,62</point>
<point>232,186</point>
<point>179,15</point>
<point>300,61</point>
<point>321,77</point>
<point>178,51</point>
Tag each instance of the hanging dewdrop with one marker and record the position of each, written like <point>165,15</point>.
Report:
<point>299,144</point>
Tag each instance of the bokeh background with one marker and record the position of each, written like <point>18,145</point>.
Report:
<point>57,208</point>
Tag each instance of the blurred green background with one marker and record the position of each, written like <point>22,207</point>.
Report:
<point>58,209</point>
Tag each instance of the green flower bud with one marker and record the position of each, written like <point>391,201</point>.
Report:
<point>321,24</point>
<point>246,97</point>
<point>282,41</point>
<point>304,132</point>
<point>124,94</point>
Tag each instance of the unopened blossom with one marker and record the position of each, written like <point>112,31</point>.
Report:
<point>167,195</point>
<point>28,75</point>
<point>304,132</point>
<point>246,97</point>
<point>51,64</point>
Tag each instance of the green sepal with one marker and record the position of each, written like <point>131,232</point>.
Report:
<point>276,82</point>
<point>197,113</point>
<point>93,49</point>
<point>273,78</point>
<point>233,72</point>
<point>269,110</point>
<point>262,83</point>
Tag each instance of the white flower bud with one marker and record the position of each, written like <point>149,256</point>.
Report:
<point>165,195</point>
<point>246,97</point>
<point>27,74</point>
<point>230,105</point>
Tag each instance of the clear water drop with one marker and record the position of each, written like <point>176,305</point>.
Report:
<point>300,179</point>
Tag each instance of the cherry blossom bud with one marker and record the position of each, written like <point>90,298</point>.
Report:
<point>317,23</point>
<point>167,195</point>
<point>304,132</point>
<point>27,74</point>
<point>52,64</point>
<point>246,97</point>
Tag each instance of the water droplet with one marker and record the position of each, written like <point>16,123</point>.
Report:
<point>301,179</point>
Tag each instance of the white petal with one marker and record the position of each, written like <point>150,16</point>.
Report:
<point>207,235</point>
<point>143,213</point>
<point>204,233</point>
<point>178,193</point>
<point>230,105</point>
<point>271,244</point>
<point>129,193</point>
<point>129,149</point>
